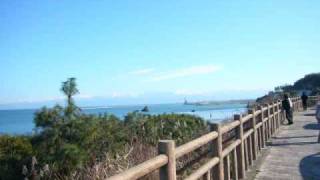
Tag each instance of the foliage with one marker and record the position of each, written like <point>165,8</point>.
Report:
<point>152,128</point>
<point>69,88</point>
<point>69,140</point>
<point>315,91</point>
<point>104,133</point>
<point>308,82</point>
<point>287,88</point>
<point>14,152</point>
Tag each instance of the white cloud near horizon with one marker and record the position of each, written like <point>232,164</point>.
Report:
<point>186,72</point>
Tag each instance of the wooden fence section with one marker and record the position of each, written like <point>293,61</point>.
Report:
<point>233,146</point>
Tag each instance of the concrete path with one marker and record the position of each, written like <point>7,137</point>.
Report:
<point>293,153</point>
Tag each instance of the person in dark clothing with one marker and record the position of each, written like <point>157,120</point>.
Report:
<point>304,99</point>
<point>287,107</point>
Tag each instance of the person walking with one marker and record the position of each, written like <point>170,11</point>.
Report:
<point>304,99</point>
<point>287,107</point>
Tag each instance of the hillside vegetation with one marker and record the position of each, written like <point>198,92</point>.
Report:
<point>310,84</point>
<point>72,145</point>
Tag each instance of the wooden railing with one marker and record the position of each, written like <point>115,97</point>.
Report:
<point>233,146</point>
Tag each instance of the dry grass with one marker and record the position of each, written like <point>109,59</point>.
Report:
<point>134,154</point>
<point>112,165</point>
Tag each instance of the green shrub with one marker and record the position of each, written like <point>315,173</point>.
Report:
<point>152,128</point>
<point>14,153</point>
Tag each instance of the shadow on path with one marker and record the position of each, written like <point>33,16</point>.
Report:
<point>310,114</point>
<point>294,137</point>
<point>312,126</point>
<point>310,167</point>
<point>291,144</point>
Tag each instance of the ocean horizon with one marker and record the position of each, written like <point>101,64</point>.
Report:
<point>20,121</point>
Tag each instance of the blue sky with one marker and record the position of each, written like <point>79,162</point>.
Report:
<point>154,51</point>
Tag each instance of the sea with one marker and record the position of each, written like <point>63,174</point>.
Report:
<point>20,121</point>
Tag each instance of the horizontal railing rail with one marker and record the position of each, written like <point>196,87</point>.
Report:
<point>229,157</point>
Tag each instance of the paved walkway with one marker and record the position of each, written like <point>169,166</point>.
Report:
<point>294,153</point>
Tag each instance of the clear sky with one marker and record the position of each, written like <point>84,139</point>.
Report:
<point>155,51</point>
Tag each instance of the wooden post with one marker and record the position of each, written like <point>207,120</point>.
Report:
<point>208,175</point>
<point>218,171</point>
<point>254,139</point>
<point>283,118</point>
<point>168,172</point>
<point>278,117</point>
<point>259,141</point>
<point>235,165</point>
<point>273,118</point>
<point>279,114</point>
<point>227,168</point>
<point>247,152</point>
<point>299,107</point>
<point>259,131</point>
<point>268,123</point>
<point>293,108</point>
<point>300,104</point>
<point>250,151</point>
<point>263,141</point>
<point>240,148</point>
